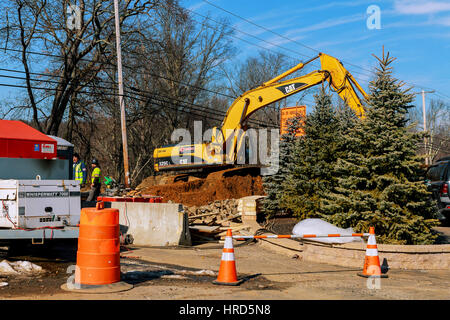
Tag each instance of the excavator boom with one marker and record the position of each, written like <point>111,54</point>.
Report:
<point>332,70</point>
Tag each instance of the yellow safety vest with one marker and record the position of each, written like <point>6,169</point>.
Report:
<point>96,173</point>
<point>79,173</point>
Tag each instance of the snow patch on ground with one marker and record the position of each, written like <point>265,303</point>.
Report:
<point>18,267</point>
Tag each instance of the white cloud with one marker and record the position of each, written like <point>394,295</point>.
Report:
<point>328,24</point>
<point>444,21</point>
<point>339,4</point>
<point>276,41</point>
<point>441,22</point>
<point>278,19</point>
<point>420,6</point>
<point>196,6</point>
<point>302,33</point>
<point>346,40</point>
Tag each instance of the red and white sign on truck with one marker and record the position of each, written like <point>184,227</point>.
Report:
<point>18,140</point>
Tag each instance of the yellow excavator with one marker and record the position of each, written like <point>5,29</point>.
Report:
<point>226,142</point>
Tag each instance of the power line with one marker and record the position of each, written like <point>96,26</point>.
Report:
<point>134,89</point>
<point>189,105</point>
<point>177,81</point>
<point>275,33</point>
<point>248,34</point>
<point>260,39</point>
<point>95,93</point>
<point>248,21</point>
<point>288,49</point>
<point>185,111</point>
<point>111,82</point>
<point>86,85</point>
<point>50,81</point>
<point>276,45</point>
<point>299,43</point>
<point>125,66</point>
<point>159,76</point>
<point>46,88</point>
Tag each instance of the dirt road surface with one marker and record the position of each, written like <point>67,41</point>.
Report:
<point>187,273</point>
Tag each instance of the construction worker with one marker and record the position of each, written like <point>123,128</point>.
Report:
<point>79,170</point>
<point>95,181</point>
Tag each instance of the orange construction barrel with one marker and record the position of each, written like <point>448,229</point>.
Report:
<point>98,256</point>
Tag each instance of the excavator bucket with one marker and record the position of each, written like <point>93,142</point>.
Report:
<point>343,83</point>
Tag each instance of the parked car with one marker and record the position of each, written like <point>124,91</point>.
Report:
<point>438,181</point>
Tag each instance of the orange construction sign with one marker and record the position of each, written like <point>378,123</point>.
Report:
<point>289,113</point>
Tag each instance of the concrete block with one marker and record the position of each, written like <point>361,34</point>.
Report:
<point>154,224</point>
<point>249,206</point>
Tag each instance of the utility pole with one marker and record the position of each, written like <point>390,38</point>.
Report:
<point>121,100</point>
<point>424,113</point>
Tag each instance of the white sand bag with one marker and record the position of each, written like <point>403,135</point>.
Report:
<point>318,226</point>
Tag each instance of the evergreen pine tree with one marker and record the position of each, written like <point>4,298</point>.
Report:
<point>271,204</point>
<point>311,171</point>
<point>380,176</point>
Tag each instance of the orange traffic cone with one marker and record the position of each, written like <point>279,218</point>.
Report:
<point>227,271</point>
<point>372,261</point>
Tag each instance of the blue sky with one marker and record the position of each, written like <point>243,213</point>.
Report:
<point>416,32</point>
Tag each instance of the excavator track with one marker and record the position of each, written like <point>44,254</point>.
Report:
<point>216,173</point>
<point>237,171</point>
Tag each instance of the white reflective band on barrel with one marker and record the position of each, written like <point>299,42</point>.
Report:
<point>228,243</point>
<point>227,256</point>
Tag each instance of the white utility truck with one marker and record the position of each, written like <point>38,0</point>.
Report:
<point>39,198</point>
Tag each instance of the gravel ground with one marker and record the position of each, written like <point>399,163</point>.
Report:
<point>187,273</point>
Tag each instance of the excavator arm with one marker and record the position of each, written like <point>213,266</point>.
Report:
<point>332,71</point>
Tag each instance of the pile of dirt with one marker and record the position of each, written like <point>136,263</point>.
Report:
<point>201,191</point>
